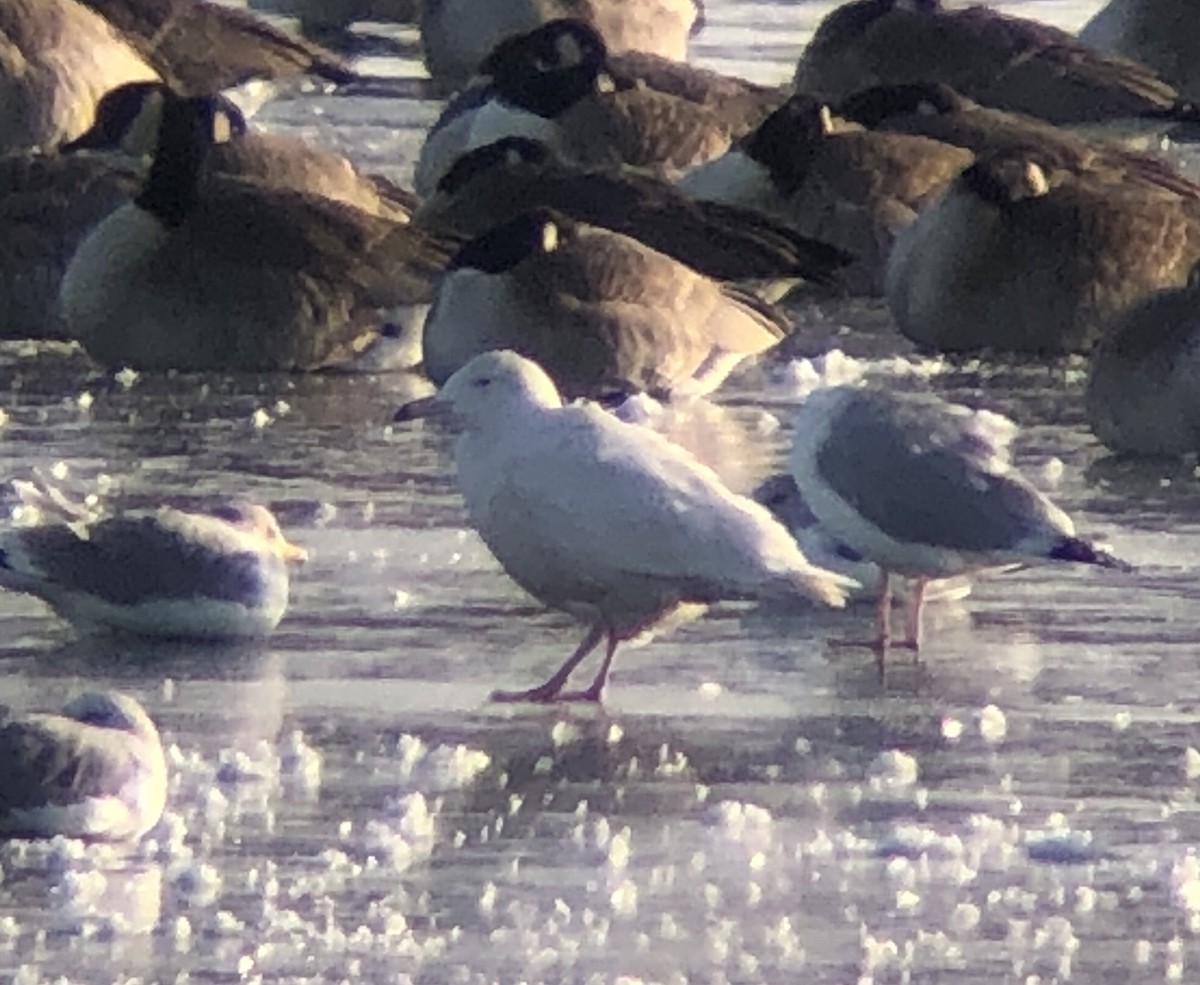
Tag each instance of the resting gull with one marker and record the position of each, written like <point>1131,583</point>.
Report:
<point>924,488</point>
<point>606,520</point>
<point>220,575</point>
<point>96,771</point>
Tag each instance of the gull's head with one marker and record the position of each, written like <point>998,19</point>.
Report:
<point>111,710</point>
<point>491,386</point>
<point>260,523</point>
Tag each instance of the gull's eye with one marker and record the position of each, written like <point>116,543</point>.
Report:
<point>482,382</point>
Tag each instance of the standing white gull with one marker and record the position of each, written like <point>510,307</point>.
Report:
<point>96,771</point>
<point>924,488</point>
<point>606,520</point>
<point>220,575</point>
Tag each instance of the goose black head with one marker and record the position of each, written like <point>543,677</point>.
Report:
<point>1005,179</point>
<point>502,248</point>
<point>549,69</point>
<point>786,141</point>
<point>873,106</point>
<point>507,152</point>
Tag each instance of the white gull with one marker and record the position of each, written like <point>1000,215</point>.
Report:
<point>606,520</point>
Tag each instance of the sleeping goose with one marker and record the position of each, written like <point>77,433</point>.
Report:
<point>127,119</point>
<point>1020,255</point>
<point>558,84</point>
<point>231,274</point>
<point>935,110</point>
<point>995,58</point>
<point>493,184</point>
<point>1163,34</point>
<point>1143,392</point>
<point>200,47</point>
<point>599,311</point>
<point>853,188</point>
<point>457,35</point>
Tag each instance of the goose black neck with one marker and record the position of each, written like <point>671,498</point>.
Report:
<point>547,93</point>
<point>184,139</point>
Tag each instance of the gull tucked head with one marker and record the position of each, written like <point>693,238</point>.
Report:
<point>489,387</point>
<point>111,710</point>
<point>259,522</point>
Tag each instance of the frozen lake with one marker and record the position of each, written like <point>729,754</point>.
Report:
<point>750,806</point>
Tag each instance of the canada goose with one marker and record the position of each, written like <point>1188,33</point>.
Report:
<point>457,35</point>
<point>923,488</point>
<point>495,183</point>
<point>234,274</point>
<point>1143,392</point>
<point>200,47</point>
<point>558,84</point>
<point>48,204</point>
<point>219,574</point>
<point>1163,34</point>
<point>606,520</point>
<point>997,59</point>
<point>850,187</point>
<point>60,58</point>
<point>1023,257</point>
<point>934,109</point>
<point>128,117</point>
<point>598,310</point>
<point>95,771</point>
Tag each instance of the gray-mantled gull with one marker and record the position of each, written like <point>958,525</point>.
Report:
<point>923,488</point>
<point>96,771</point>
<point>606,520</point>
<point>780,494</point>
<point>173,574</point>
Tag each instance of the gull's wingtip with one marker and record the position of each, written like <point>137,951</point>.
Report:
<point>1080,551</point>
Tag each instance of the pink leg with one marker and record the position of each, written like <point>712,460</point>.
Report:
<point>552,689</point>
<point>916,604</point>
<point>595,691</point>
<point>883,622</point>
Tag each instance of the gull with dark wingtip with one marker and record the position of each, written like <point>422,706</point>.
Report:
<point>923,488</point>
